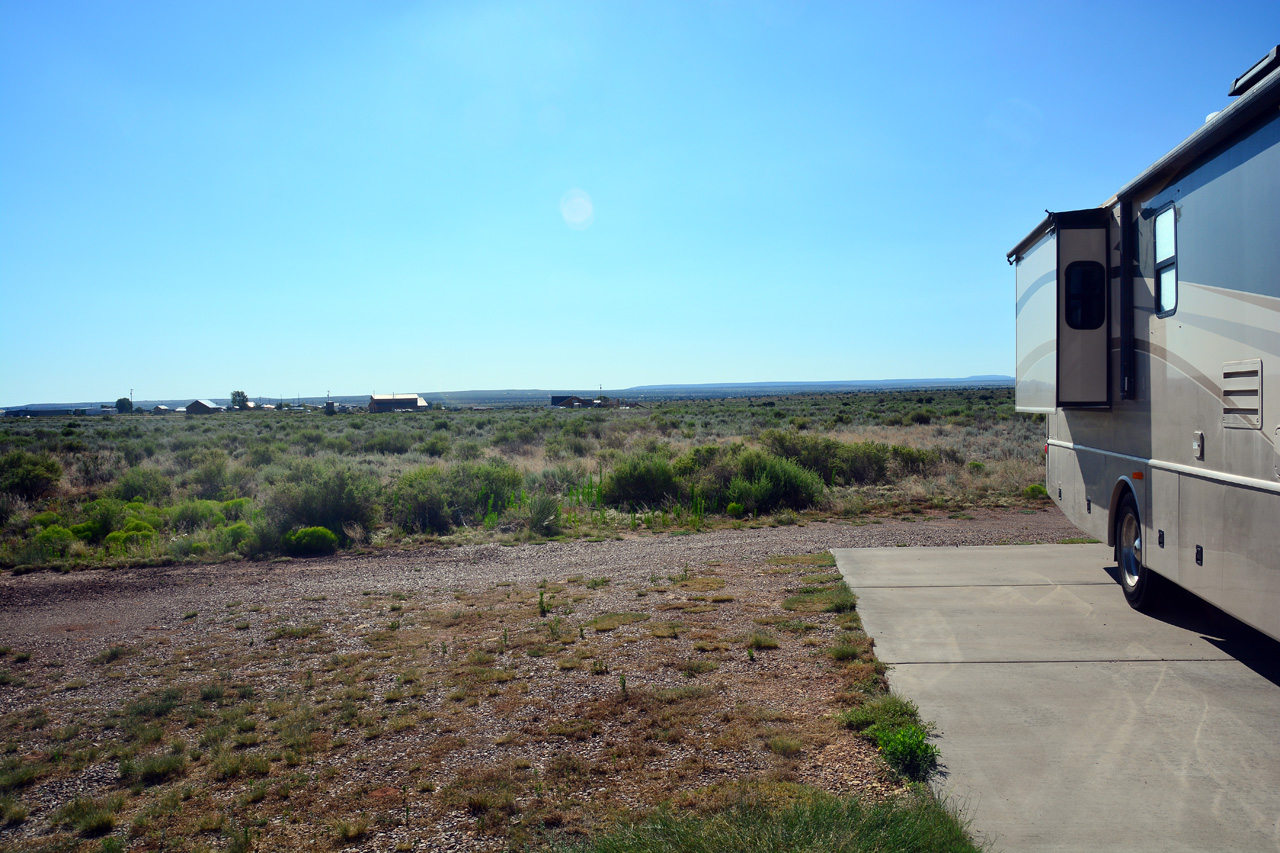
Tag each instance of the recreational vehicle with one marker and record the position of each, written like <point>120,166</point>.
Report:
<point>1146,332</point>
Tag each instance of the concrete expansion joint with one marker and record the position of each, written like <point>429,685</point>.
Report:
<point>1061,660</point>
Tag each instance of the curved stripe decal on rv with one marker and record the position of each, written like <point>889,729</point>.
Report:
<point>1033,288</point>
<point>1035,356</point>
<point>1270,303</point>
<point>1180,364</point>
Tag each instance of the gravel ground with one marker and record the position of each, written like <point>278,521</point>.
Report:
<point>63,620</point>
<point>89,610</point>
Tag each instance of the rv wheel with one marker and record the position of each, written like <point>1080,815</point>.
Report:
<point>1137,581</point>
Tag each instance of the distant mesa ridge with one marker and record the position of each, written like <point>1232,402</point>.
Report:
<point>540,397</point>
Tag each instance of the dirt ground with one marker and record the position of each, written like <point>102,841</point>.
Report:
<point>464,698</point>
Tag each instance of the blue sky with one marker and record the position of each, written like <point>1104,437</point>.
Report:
<point>299,197</point>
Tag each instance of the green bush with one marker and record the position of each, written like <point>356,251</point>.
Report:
<point>237,509</point>
<point>310,541</point>
<point>735,510</point>
<point>103,516</point>
<point>45,519</point>
<point>148,484</point>
<point>236,537</point>
<point>29,475</point>
<point>1035,492</point>
<point>55,541</point>
<point>641,479</point>
<point>196,514</point>
<point>135,532</point>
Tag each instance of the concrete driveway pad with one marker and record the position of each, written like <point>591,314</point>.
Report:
<point>1068,721</point>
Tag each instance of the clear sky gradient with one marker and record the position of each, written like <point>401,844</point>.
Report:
<point>299,197</point>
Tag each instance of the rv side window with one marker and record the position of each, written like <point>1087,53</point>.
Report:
<point>1086,295</point>
<point>1166,262</point>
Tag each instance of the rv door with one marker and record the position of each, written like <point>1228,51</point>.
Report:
<point>1084,334</point>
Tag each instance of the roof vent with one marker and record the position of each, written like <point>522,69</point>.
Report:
<point>1255,75</point>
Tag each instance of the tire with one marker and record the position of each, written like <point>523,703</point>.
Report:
<point>1140,584</point>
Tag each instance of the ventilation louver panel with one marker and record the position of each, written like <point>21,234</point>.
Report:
<point>1242,394</point>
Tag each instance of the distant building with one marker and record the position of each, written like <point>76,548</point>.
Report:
<point>55,413</point>
<point>571,402</point>
<point>397,403</point>
<point>203,407</point>
<point>161,409</point>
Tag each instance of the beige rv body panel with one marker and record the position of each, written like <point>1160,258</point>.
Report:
<point>1195,437</point>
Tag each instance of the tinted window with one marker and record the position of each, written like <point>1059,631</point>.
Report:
<point>1086,295</point>
<point>1166,262</point>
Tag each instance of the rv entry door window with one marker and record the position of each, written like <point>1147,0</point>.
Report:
<point>1085,297</point>
<point>1166,262</point>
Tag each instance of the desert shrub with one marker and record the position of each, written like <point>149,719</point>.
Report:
<point>29,475</point>
<point>419,501</point>
<point>515,438</point>
<point>387,441</point>
<point>236,537</point>
<point>468,451</point>
<point>707,470</point>
<point>148,484</point>
<point>309,541</point>
<point>194,514</point>
<point>135,532</point>
<point>735,510</point>
<point>912,460</point>
<point>475,490</point>
<point>55,541</point>
<point>262,453</point>
<point>102,517</point>
<point>834,461</point>
<point>766,482</point>
<point>436,446</point>
<point>328,495</point>
<point>640,479</point>
<point>44,519</point>
<point>209,478</point>
<point>237,509</point>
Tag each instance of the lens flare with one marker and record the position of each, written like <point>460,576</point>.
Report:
<point>577,210</point>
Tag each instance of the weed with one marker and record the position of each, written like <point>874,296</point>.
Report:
<point>908,751</point>
<point>110,655</point>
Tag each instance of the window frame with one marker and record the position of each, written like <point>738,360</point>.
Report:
<point>1169,263</point>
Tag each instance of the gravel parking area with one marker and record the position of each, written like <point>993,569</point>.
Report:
<point>419,670</point>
